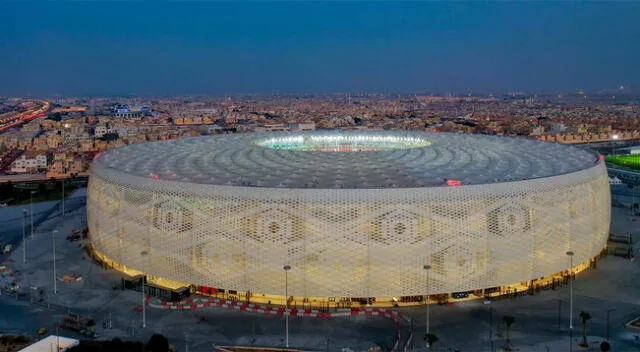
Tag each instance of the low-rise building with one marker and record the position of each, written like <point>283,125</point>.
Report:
<point>29,162</point>
<point>305,126</point>
<point>66,164</point>
<point>101,130</point>
<point>272,127</point>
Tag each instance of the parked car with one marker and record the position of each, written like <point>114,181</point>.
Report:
<point>459,295</point>
<point>73,238</point>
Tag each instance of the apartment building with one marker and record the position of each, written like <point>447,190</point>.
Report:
<point>29,162</point>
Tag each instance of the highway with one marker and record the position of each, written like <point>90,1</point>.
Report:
<point>40,108</point>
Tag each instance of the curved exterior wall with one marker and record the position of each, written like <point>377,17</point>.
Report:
<point>350,242</point>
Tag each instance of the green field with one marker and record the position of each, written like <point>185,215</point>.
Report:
<point>630,161</point>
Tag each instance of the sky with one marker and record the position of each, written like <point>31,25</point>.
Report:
<point>301,47</point>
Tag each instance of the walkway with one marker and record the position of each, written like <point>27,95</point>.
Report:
<point>207,302</point>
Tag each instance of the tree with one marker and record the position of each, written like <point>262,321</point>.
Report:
<point>431,339</point>
<point>585,316</point>
<point>111,136</point>
<point>158,343</point>
<point>55,117</point>
<point>508,321</point>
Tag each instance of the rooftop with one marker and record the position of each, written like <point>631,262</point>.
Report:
<point>345,159</point>
<point>50,343</point>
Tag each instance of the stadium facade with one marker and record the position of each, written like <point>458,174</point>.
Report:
<point>355,214</point>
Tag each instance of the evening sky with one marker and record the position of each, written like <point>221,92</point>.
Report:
<point>178,48</point>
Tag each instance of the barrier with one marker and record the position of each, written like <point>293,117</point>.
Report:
<point>199,303</point>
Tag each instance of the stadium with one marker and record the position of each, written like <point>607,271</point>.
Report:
<point>353,214</point>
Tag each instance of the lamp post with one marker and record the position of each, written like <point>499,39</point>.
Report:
<point>63,198</point>
<point>570,254</point>
<point>31,208</point>
<point>560,313</point>
<point>427,267</point>
<point>615,138</point>
<point>608,331</point>
<point>55,278</point>
<point>24,232</point>
<point>286,311</point>
<point>144,299</point>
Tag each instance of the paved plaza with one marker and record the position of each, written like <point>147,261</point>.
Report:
<point>612,288</point>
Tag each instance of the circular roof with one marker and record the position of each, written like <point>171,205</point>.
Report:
<point>346,159</point>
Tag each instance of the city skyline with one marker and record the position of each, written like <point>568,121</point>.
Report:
<point>313,48</point>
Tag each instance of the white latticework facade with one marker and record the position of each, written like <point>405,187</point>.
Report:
<point>349,242</point>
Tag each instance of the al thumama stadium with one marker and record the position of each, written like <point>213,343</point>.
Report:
<point>350,214</point>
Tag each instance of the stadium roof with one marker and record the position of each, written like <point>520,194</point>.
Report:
<point>345,159</point>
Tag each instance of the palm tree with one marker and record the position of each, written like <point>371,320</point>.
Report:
<point>585,316</point>
<point>508,321</point>
<point>431,339</point>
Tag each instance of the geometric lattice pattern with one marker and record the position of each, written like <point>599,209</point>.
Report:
<point>350,242</point>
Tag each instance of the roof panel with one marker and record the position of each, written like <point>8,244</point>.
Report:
<point>346,159</point>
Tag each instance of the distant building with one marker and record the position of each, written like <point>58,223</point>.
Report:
<point>101,130</point>
<point>133,112</point>
<point>304,126</point>
<point>29,162</point>
<point>272,127</point>
<point>537,131</point>
<point>558,128</point>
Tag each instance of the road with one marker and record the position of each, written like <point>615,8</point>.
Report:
<point>40,108</point>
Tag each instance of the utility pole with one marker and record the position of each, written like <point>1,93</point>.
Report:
<point>31,209</point>
<point>144,298</point>
<point>286,311</point>
<point>63,199</point>
<point>24,242</point>
<point>570,254</point>
<point>559,313</point>
<point>491,326</point>
<point>55,279</point>
<point>608,326</point>
<point>427,268</point>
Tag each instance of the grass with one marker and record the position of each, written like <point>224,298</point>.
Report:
<point>630,161</point>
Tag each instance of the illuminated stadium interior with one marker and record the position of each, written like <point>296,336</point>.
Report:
<point>344,143</point>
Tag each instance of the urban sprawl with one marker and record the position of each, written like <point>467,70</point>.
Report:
<point>58,138</point>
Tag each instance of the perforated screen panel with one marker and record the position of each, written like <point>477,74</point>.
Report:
<point>349,242</point>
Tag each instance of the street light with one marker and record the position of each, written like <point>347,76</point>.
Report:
<point>63,199</point>
<point>24,242</point>
<point>570,254</point>
<point>286,311</point>
<point>427,267</point>
<point>55,279</point>
<point>608,331</point>
<point>144,299</point>
<point>31,208</point>
<point>615,138</point>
